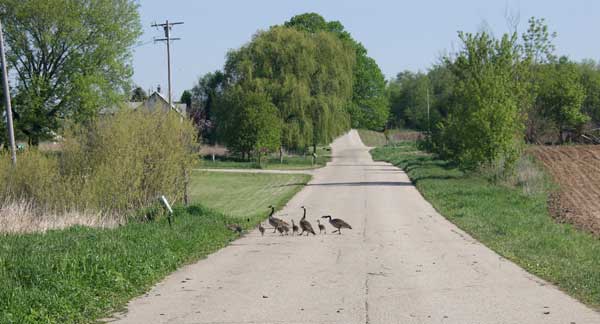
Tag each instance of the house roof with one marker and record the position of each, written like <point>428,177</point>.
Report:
<point>150,104</point>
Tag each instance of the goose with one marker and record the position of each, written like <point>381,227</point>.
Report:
<point>235,228</point>
<point>275,221</point>
<point>305,225</point>
<point>281,228</point>
<point>294,228</point>
<point>337,223</point>
<point>261,229</point>
<point>321,227</point>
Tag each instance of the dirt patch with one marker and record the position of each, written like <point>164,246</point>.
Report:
<point>577,171</point>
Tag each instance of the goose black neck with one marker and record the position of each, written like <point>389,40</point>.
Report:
<point>272,212</point>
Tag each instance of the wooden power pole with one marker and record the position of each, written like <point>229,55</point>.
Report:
<point>167,28</point>
<point>6,89</point>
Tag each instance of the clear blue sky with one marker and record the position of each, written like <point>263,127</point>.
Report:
<point>399,35</point>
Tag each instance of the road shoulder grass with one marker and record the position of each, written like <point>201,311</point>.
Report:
<point>82,274</point>
<point>515,225</point>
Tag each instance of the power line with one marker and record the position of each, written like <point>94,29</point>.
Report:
<point>167,26</point>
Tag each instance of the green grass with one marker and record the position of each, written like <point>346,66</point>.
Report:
<point>515,225</point>
<point>372,138</point>
<point>81,274</point>
<point>272,162</point>
<point>244,194</point>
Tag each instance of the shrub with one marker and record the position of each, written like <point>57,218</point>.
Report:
<point>115,165</point>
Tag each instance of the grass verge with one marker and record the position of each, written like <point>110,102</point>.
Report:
<point>81,274</point>
<point>244,194</point>
<point>271,162</point>
<point>512,223</point>
<point>372,138</point>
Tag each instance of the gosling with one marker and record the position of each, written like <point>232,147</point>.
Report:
<point>321,227</point>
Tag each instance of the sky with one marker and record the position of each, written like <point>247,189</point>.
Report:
<point>400,35</point>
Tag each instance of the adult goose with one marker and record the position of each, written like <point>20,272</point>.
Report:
<point>337,223</point>
<point>305,225</point>
<point>274,221</point>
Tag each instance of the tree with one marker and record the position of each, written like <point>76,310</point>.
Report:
<point>250,123</point>
<point>408,100</point>
<point>186,98</point>
<point>308,77</point>
<point>138,94</point>
<point>590,80</point>
<point>204,97</point>
<point>561,96</point>
<point>369,107</point>
<point>537,42</point>
<point>484,124</point>
<point>70,58</point>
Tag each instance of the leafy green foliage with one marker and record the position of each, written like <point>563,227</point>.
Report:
<point>138,94</point>
<point>205,95</point>
<point>307,77</point>
<point>484,120</point>
<point>186,97</point>
<point>514,224</point>
<point>590,80</point>
<point>369,107</point>
<point>70,58</point>
<point>250,122</point>
<point>116,164</point>
<point>561,96</point>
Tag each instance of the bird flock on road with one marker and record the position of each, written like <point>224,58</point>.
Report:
<point>283,227</point>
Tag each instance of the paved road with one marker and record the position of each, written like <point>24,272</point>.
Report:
<point>401,263</point>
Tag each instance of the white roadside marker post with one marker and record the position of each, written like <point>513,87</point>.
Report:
<point>165,203</point>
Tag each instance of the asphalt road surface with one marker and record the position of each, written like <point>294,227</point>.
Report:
<point>401,263</point>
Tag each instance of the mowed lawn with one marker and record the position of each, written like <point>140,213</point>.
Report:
<point>244,194</point>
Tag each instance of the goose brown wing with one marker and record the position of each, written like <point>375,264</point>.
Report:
<point>340,223</point>
<point>280,221</point>
<point>306,226</point>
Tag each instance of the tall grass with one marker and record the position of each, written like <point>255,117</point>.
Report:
<point>111,167</point>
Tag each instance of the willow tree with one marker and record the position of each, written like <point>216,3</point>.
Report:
<point>369,107</point>
<point>308,77</point>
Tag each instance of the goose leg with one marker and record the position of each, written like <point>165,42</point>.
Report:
<point>337,230</point>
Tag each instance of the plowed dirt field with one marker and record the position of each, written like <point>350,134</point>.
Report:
<point>577,170</point>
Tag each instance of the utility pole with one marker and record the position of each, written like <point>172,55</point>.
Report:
<point>167,28</point>
<point>6,89</point>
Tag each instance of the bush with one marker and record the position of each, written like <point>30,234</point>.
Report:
<point>114,165</point>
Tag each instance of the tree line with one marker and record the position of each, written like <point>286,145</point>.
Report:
<point>484,103</point>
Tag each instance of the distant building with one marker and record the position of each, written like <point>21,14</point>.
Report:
<point>155,101</point>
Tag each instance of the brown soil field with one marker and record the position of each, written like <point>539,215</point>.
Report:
<point>576,169</point>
